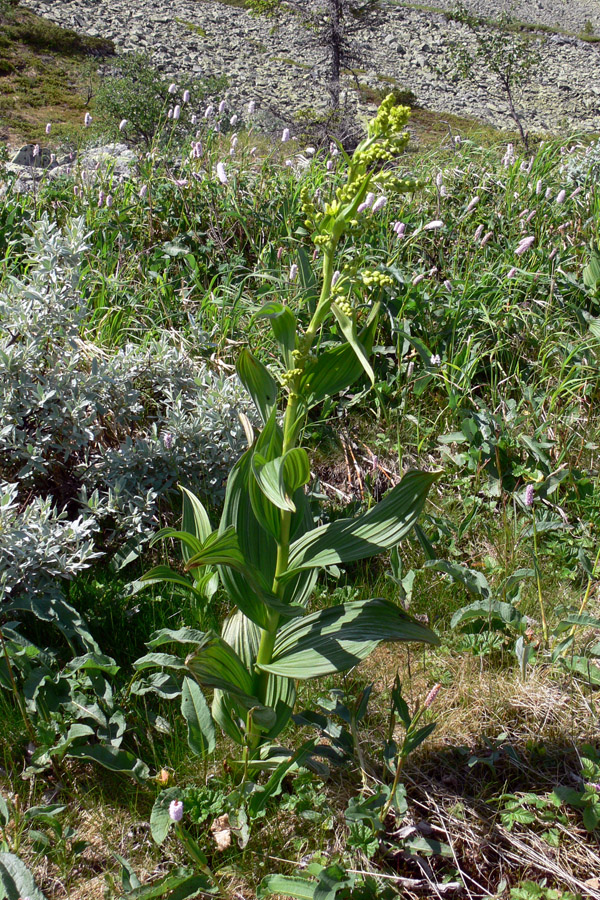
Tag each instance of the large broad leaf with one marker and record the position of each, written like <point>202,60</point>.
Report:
<point>244,637</point>
<point>215,664</point>
<point>16,881</point>
<point>348,326</point>
<point>475,582</point>
<point>346,540</point>
<point>113,759</point>
<point>201,730</point>
<point>267,448</point>
<point>57,611</point>
<point>338,638</point>
<point>281,477</point>
<point>258,381</point>
<point>283,324</point>
<point>160,820</point>
<point>223,549</point>
<point>491,613</point>
<point>335,370</point>
<point>194,519</point>
<point>286,886</point>
<point>258,546</point>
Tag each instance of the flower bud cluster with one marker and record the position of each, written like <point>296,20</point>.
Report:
<point>375,277</point>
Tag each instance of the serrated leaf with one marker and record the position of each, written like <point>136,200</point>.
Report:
<point>195,711</point>
<point>339,637</point>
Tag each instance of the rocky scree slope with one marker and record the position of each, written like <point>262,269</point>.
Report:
<point>281,67</point>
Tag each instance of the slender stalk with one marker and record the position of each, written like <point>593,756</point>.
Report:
<point>539,584</point>
<point>15,690</point>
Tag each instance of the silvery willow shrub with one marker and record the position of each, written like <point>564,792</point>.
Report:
<point>104,434</point>
<point>267,551</point>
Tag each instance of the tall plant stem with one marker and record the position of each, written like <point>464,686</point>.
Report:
<point>290,438</point>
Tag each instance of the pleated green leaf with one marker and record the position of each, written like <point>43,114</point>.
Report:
<point>336,369</point>
<point>201,730</point>
<point>287,886</point>
<point>338,638</point>
<point>379,529</point>
<point>257,544</point>
<point>194,519</point>
<point>258,381</point>
<point>281,477</point>
<point>160,574</point>
<point>215,664</point>
<point>283,325</point>
<point>348,326</point>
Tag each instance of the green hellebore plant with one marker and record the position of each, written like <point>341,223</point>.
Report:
<point>266,551</point>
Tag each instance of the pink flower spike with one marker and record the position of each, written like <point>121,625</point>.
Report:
<point>222,106</point>
<point>176,810</point>
<point>221,173</point>
<point>122,124</point>
<point>472,204</point>
<point>511,273</point>
<point>48,128</point>
<point>293,272</point>
<point>486,238</point>
<point>285,136</point>
<point>172,88</point>
<point>186,96</point>
<point>176,112</point>
<point>525,245</point>
<point>418,279</point>
<point>561,196</point>
<point>432,226</point>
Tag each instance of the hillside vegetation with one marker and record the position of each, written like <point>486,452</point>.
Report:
<point>299,509</point>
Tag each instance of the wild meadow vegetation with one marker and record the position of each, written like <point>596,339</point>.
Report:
<point>299,509</point>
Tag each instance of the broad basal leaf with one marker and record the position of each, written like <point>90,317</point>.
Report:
<point>338,638</point>
<point>346,540</point>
